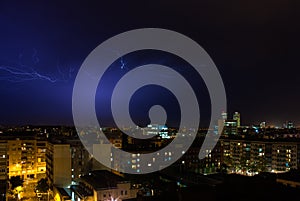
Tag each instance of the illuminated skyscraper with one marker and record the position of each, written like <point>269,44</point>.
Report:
<point>237,118</point>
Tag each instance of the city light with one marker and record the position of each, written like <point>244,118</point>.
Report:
<point>112,199</point>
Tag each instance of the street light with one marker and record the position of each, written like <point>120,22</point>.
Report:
<point>112,199</point>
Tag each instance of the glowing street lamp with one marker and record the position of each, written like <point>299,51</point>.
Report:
<point>19,190</point>
<point>112,199</point>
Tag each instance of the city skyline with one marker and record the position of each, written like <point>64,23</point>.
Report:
<point>230,116</point>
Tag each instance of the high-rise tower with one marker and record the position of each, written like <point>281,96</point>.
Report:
<point>237,118</point>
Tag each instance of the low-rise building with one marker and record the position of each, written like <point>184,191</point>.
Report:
<point>103,185</point>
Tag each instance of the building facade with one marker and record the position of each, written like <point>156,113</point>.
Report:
<point>3,160</point>
<point>58,159</point>
<point>246,156</point>
<point>26,158</point>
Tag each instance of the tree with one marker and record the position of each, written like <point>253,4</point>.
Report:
<point>15,181</point>
<point>42,186</point>
<point>224,168</point>
<point>16,184</point>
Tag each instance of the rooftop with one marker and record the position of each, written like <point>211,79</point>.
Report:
<point>103,179</point>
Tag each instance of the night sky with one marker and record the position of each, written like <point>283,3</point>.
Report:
<point>254,44</point>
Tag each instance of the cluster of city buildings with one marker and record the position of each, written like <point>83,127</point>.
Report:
<point>73,173</point>
<point>70,170</point>
<point>247,150</point>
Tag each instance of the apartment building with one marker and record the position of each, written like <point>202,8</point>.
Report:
<point>263,155</point>
<point>26,157</point>
<point>58,160</point>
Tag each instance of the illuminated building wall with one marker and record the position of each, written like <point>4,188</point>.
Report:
<point>133,162</point>
<point>80,159</point>
<point>190,162</point>
<point>25,159</point>
<point>41,147</point>
<point>259,155</point>
<point>243,155</point>
<point>284,156</point>
<point>236,151</point>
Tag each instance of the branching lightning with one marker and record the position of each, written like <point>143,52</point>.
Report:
<point>121,59</point>
<point>13,74</point>
<point>18,72</point>
<point>122,63</point>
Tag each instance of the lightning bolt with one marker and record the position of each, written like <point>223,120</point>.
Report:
<point>122,63</point>
<point>21,73</point>
<point>121,59</point>
<point>13,74</point>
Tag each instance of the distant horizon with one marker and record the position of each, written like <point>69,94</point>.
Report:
<point>111,126</point>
